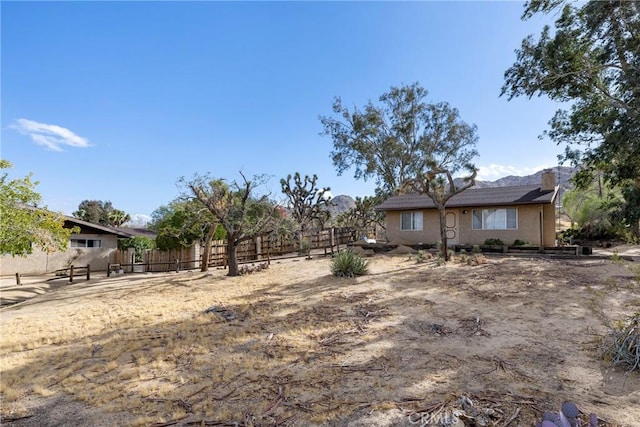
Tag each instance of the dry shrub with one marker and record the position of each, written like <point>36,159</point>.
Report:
<point>621,345</point>
<point>473,260</point>
<point>478,259</point>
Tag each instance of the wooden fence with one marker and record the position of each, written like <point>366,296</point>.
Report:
<point>258,249</point>
<point>156,260</point>
<point>272,246</point>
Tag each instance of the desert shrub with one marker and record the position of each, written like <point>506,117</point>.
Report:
<point>476,249</point>
<point>519,242</point>
<point>347,263</point>
<point>478,259</point>
<point>464,258</point>
<point>621,344</point>
<point>440,253</point>
<point>592,232</point>
<point>423,256</point>
<point>493,242</point>
<point>615,256</point>
<point>472,260</point>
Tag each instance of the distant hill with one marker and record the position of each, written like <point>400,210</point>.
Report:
<point>563,177</point>
<point>341,204</point>
<point>337,205</point>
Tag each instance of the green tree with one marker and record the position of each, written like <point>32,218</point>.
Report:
<point>183,222</point>
<point>118,218</point>
<point>139,244</point>
<point>102,213</point>
<point>591,208</point>
<point>398,139</point>
<point>236,208</point>
<point>590,62</point>
<point>407,144</point>
<point>23,224</point>
<point>628,212</point>
<point>307,203</point>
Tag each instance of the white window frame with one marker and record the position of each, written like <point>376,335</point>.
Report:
<point>76,243</point>
<point>416,221</point>
<point>486,214</point>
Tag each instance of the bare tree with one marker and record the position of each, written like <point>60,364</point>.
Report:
<point>242,215</point>
<point>439,185</point>
<point>307,203</point>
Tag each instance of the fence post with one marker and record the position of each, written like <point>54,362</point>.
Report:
<point>333,239</point>
<point>88,271</point>
<point>108,269</point>
<point>268,252</point>
<point>18,279</point>
<point>177,266</point>
<point>71,274</point>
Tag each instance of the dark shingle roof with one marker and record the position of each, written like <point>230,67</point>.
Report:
<point>137,231</point>
<point>90,227</point>
<point>475,197</point>
<point>121,232</point>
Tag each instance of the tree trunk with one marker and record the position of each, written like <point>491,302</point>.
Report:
<point>300,241</point>
<point>443,232</point>
<point>206,253</point>
<point>233,259</point>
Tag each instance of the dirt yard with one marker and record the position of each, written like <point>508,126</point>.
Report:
<point>406,345</point>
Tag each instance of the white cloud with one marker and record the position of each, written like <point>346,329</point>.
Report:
<point>493,171</point>
<point>138,220</point>
<point>53,137</point>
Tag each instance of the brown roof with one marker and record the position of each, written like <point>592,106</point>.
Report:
<point>137,231</point>
<point>90,227</point>
<point>474,197</point>
<point>121,232</point>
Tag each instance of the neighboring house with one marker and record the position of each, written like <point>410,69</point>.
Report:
<point>93,245</point>
<point>524,213</point>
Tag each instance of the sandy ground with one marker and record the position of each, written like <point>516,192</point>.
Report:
<point>406,344</point>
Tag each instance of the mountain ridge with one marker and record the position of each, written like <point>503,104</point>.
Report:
<point>563,179</point>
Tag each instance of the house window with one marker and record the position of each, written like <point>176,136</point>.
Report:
<point>86,243</point>
<point>495,219</point>
<point>411,221</point>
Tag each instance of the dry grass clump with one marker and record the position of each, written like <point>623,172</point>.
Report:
<point>621,344</point>
<point>471,259</point>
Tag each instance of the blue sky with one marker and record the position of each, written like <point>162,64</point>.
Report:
<point>117,100</point>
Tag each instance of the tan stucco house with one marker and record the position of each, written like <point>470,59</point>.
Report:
<point>525,213</point>
<point>93,245</point>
